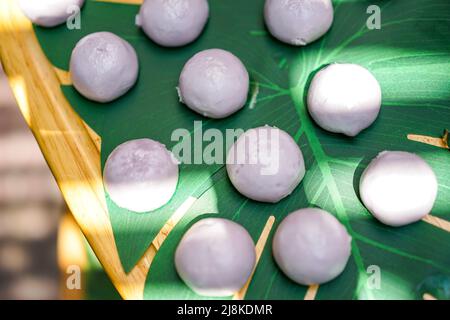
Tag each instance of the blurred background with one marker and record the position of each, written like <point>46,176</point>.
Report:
<point>30,209</point>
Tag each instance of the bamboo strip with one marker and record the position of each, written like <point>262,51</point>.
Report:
<point>312,292</point>
<point>259,250</point>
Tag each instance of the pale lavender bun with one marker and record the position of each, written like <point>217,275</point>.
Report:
<point>50,13</point>
<point>103,67</point>
<point>173,23</point>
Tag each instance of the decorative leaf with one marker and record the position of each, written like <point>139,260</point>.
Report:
<point>410,57</point>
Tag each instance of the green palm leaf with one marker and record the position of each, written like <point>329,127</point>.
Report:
<point>409,55</point>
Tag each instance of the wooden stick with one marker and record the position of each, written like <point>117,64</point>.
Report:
<point>312,292</point>
<point>437,222</point>
<point>259,250</point>
<point>441,142</point>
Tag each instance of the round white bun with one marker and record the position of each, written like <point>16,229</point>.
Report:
<point>215,257</point>
<point>103,67</point>
<point>298,22</point>
<point>50,13</point>
<point>398,188</point>
<point>265,164</point>
<point>311,246</point>
<point>344,98</point>
<point>140,175</point>
<point>214,83</point>
<point>173,23</point>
